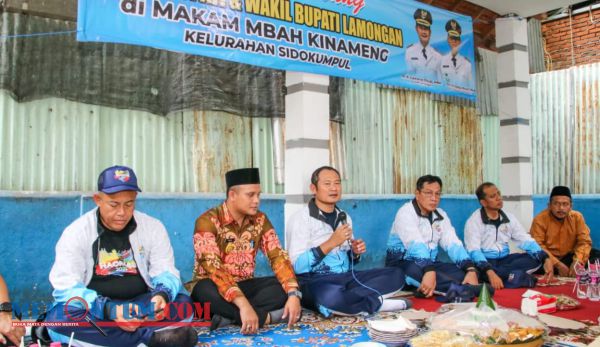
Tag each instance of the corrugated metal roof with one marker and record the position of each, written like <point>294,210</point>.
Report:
<point>337,149</point>
<point>394,136</point>
<point>146,142</point>
<point>263,152</point>
<point>487,82</point>
<point>437,138</point>
<point>391,137</point>
<point>490,130</point>
<point>565,121</point>
<point>551,130</point>
<point>59,145</point>
<point>535,46</point>
<point>586,167</point>
<point>368,136</point>
<point>278,125</point>
<point>221,142</point>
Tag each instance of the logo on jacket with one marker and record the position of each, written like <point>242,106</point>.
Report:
<point>122,175</point>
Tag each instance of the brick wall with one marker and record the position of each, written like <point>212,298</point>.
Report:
<point>586,40</point>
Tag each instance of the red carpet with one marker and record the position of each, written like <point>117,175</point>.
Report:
<point>511,298</point>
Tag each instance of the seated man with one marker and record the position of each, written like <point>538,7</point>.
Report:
<point>323,252</point>
<point>116,264</point>
<point>487,233</point>
<point>563,234</point>
<point>226,241</point>
<point>419,228</point>
<point>9,335</point>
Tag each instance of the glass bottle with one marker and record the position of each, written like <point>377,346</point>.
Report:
<point>581,286</point>
<point>582,282</point>
<point>592,290</point>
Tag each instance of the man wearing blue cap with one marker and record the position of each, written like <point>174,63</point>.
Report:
<point>487,235</point>
<point>115,265</point>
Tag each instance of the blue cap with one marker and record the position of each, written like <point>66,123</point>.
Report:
<point>520,279</point>
<point>117,179</point>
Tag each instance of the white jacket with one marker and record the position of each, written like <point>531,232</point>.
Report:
<point>306,230</point>
<point>74,265</point>
<point>484,240</point>
<point>415,238</point>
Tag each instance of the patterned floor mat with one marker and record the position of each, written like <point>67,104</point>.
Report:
<point>315,330</point>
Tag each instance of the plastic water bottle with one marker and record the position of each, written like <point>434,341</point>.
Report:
<point>582,285</point>
<point>582,282</point>
<point>592,291</point>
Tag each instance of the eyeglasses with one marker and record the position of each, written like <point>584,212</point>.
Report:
<point>561,203</point>
<point>430,193</point>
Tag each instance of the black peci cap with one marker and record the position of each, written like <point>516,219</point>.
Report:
<point>242,176</point>
<point>560,191</point>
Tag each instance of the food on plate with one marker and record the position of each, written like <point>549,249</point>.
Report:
<point>564,302</point>
<point>487,326</point>
<point>515,334</point>
<point>442,338</point>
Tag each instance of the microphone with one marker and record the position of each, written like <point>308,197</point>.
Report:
<point>343,218</point>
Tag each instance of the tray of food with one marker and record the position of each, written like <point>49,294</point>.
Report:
<point>482,324</point>
<point>446,338</point>
<point>565,303</point>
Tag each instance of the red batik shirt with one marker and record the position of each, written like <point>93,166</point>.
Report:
<point>226,252</point>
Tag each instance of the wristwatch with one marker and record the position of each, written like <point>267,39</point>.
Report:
<point>296,293</point>
<point>6,307</point>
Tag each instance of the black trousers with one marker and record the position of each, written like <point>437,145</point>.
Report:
<point>265,294</point>
<point>568,260</point>
<point>445,274</point>
<point>341,292</point>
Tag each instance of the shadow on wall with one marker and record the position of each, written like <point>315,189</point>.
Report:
<point>30,226</point>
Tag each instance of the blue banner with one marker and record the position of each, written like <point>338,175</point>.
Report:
<point>400,43</point>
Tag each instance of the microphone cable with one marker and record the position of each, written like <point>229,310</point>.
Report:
<point>342,217</point>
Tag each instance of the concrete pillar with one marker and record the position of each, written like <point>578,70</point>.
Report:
<point>514,105</point>
<point>306,135</point>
